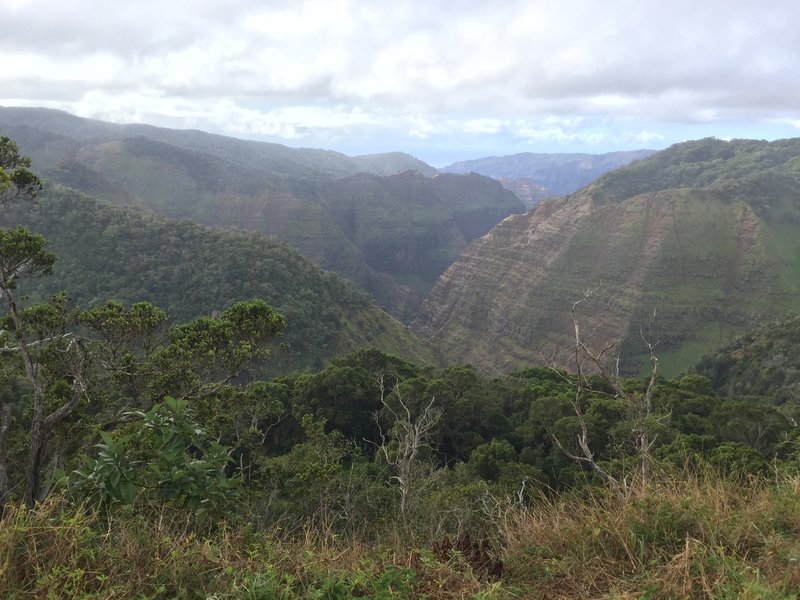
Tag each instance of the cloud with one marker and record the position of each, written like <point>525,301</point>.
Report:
<point>418,68</point>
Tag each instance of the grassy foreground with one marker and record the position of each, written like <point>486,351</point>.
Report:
<point>688,537</point>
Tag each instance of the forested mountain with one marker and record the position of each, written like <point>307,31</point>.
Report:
<point>410,230</point>
<point>146,458</point>
<point>190,270</point>
<point>764,363</point>
<point>705,233</point>
<point>534,177</point>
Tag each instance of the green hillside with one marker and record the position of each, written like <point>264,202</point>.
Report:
<point>706,233</point>
<point>764,362</point>
<point>190,270</point>
<point>144,459</point>
<point>753,170</point>
<point>413,226</point>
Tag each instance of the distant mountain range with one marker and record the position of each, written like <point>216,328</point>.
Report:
<point>390,234</point>
<point>705,233</point>
<point>689,246</point>
<point>535,177</point>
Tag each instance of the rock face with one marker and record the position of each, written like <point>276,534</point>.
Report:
<point>706,234</point>
<point>390,234</point>
<point>409,228</point>
<point>535,177</point>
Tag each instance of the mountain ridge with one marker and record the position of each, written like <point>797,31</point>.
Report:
<point>284,192</point>
<point>536,176</point>
<point>712,259</point>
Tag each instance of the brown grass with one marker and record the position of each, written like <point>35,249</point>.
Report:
<point>57,551</point>
<point>684,537</point>
<point>693,537</point>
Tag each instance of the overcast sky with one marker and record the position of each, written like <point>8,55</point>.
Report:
<point>442,80</point>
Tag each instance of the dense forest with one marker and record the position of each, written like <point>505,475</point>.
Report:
<point>151,446</point>
<point>190,270</point>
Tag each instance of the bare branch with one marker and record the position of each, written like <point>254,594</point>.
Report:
<point>14,349</point>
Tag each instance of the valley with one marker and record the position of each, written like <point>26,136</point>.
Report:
<point>384,222</point>
<point>703,233</point>
<point>315,375</point>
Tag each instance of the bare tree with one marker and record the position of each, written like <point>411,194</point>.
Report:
<point>639,405</point>
<point>408,434</point>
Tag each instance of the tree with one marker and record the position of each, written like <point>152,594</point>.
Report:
<point>199,359</point>
<point>17,181</point>
<point>153,459</point>
<point>639,404</point>
<point>23,253</point>
<point>409,434</point>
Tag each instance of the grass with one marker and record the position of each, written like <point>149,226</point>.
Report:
<point>685,536</point>
<point>59,552</point>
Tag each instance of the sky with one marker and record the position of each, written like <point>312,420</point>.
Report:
<point>442,80</point>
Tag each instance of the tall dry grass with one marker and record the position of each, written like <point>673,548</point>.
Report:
<point>62,551</point>
<point>693,536</point>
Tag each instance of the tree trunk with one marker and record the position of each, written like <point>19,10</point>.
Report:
<point>5,427</point>
<point>38,438</point>
<point>33,467</point>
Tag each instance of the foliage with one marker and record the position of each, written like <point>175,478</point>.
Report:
<point>16,178</point>
<point>167,457</point>
<point>188,271</point>
<point>751,169</point>
<point>763,362</point>
<point>369,458</point>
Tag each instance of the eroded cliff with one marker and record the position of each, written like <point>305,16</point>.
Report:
<point>710,260</point>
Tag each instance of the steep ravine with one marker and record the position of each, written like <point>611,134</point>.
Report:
<point>695,257</point>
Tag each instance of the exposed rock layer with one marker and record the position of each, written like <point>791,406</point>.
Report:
<point>710,260</point>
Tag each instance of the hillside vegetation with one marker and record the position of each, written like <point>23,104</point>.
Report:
<point>706,234</point>
<point>763,363</point>
<point>409,227</point>
<point>149,457</point>
<point>190,270</point>
<point>315,509</point>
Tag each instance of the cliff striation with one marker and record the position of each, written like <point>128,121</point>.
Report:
<point>706,234</point>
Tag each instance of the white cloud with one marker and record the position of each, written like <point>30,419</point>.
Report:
<point>424,68</point>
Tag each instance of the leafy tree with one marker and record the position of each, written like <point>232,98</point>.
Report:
<point>307,482</point>
<point>32,332</point>
<point>488,460</point>
<point>16,178</point>
<point>123,362</point>
<point>167,456</point>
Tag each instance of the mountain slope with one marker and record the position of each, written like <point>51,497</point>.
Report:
<point>190,270</point>
<point>534,177</point>
<point>706,233</point>
<point>290,193</point>
<point>763,362</point>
